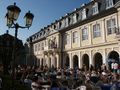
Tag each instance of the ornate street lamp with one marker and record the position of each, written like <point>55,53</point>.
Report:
<point>12,15</point>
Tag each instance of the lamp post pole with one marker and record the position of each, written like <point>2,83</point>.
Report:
<point>12,15</point>
<point>14,57</point>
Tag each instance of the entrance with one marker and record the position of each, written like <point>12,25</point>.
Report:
<point>67,62</point>
<point>75,61</point>
<point>85,60</point>
<point>98,61</point>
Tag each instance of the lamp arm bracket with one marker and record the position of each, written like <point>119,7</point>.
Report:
<point>23,27</point>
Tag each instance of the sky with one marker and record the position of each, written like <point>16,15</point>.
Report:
<point>45,12</point>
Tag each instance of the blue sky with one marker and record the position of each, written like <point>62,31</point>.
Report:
<point>45,12</point>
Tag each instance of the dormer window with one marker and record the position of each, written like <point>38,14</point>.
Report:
<point>40,34</point>
<point>54,26</point>
<point>43,32</point>
<point>60,24</point>
<point>77,16</point>
<point>95,8</point>
<point>109,4</point>
<point>74,18</point>
<point>83,14</point>
<point>69,20</point>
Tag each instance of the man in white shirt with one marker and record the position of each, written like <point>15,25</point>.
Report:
<point>114,66</point>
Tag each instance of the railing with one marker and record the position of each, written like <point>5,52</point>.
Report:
<point>51,51</point>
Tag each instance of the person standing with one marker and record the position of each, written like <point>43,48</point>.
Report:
<point>114,67</point>
<point>35,85</point>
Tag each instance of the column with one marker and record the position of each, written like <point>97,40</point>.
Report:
<point>57,56</point>
<point>70,39</point>
<point>80,61</point>
<point>90,33</point>
<point>90,58</point>
<point>104,57</point>
<point>103,30</point>
<point>118,9</point>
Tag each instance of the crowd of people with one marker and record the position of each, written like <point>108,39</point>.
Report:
<point>44,78</point>
<point>40,78</point>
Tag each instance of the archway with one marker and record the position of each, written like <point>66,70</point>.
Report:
<point>113,56</point>
<point>75,61</point>
<point>98,60</point>
<point>85,60</point>
<point>67,61</point>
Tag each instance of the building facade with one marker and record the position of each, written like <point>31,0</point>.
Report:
<point>87,36</point>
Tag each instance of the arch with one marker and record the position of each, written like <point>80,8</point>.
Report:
<point>113,56</point>
<point>67,61</point>
<point>98,60</point>
<point>75,61</point>
<point>85,60</point>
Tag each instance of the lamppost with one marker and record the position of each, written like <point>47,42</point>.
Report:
<point>12,15</point>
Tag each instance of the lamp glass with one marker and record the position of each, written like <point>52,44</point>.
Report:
<point>16,14</point>
<point>28,18</point>
<point>9,21</point>
<point>10,14</point>
<point>29,22</point>
<point>13,12</point>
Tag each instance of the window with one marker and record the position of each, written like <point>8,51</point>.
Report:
<point>111,26</point>
<point>75,37</point>
<point>84,33</point>
<point>96,30</point>
<point>42,46</point>
<point>35,47</point>
<point>49,44</point>
<point>95,8</point>
<point>83,14</point>
<point>67,38</point>
<point>38,46</point>
<point>109,4</point>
